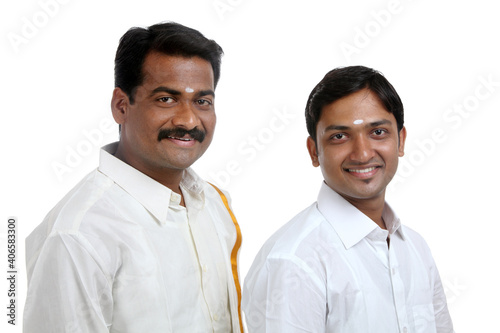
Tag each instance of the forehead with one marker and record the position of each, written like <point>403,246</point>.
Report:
<point>357,108</point>
<point>177,71</point>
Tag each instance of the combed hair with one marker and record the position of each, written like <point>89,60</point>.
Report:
<point>343,81</point>
<point>168,38</point>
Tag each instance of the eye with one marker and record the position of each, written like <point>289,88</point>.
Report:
<point>379,132</point>
<point>338,137</point>
<point>166,99</point>
<point>204,102</point>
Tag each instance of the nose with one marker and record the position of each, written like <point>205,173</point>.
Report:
<point>185,116</point>
<point>362,150</point>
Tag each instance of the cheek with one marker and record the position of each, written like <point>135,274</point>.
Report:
<point>142,117</point>
<point>209,121</point>
<point>331,159</point>
<point>391,156</point>
<point>153,122</point>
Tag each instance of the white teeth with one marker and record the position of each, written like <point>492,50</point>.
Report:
<point>182,139</point>
<point>362,170</point>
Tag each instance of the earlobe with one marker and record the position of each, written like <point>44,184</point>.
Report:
<point>119,105</point>
<point>313,151</point>
<point>402,139</point>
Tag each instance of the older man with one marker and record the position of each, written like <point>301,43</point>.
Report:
<point>143,244</point>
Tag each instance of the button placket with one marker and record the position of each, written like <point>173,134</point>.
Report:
<point>398,292</point>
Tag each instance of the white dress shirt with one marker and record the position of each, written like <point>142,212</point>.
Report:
<point>120,254</point>
<point>330,269</point>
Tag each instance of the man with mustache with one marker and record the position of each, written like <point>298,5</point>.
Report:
<point>143,244</point>
<point>346,264</point>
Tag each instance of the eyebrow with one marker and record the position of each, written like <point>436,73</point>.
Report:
<point>336,128</point>
<point>205,93</point>
<point>379,123</point>
<point>177,92</point>
<point>368,125</point>
<point>166,90</point>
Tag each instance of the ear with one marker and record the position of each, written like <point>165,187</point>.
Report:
<point>402,139</point>
<point>313,151</point>
<point>119,105</point>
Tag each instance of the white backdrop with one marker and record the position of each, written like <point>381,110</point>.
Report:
<point>442,57</point>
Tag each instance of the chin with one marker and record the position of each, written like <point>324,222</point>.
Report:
<point>362,194</point>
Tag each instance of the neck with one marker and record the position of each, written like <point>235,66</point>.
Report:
<point>372,208</point>
<point>170,178</point>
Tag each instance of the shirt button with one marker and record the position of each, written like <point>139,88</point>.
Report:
<point>205,268</point>
<point>405,330</point>
<point>393,271</point>
<point>216,317</point>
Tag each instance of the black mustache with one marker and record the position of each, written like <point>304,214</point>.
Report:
<point>177,132</point>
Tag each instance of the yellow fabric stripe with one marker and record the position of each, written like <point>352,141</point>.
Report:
<point>234,253</point>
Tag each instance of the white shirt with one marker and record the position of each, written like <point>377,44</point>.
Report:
<point>330,270</point>
<point>120,254</point>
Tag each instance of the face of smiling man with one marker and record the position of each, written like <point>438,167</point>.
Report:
<point>172,120</point>
<point>358,146</point>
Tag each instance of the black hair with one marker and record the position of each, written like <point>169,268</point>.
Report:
<point>344,81</point>
<point>169,38</point>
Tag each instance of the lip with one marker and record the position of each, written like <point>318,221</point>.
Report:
<point>184,142</point>
<point>364,172</point>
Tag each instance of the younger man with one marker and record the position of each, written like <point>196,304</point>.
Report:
<point>346,264</point>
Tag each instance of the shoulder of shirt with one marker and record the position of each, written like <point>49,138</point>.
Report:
<point>287,239</point>
<point>212,193</point>
<point>69,212</point>
<point>294,243</point>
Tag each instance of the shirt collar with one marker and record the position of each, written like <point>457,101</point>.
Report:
<point>154,196</point>
<point>392,221</point>
<point>350,223</point>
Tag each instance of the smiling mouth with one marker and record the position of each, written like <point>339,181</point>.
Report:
<point>181,142</point>
<point>181,139</point>
<point>182,135</point>
<point>361,171</point>
<point>364,173</point>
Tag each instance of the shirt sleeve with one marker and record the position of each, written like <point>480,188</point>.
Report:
<point>284,296</point>
<point>441,313</point>
<point>67,290</point>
